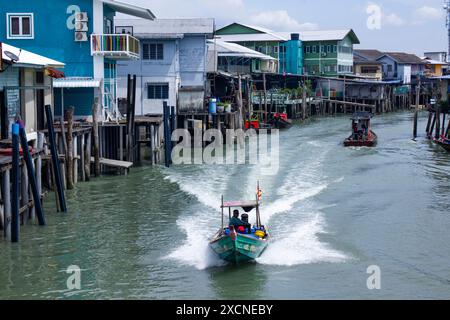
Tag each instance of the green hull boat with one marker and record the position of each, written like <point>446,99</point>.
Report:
<point>238,246</point>
<point>243,248</point>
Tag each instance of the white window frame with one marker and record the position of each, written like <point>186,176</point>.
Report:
<point>21,36</point>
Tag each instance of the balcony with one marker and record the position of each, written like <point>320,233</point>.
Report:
<point>115,46</point>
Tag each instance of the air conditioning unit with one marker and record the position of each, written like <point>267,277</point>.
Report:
<point>81,16</point>
<point>324,54</point>
<point>81,26</point>
<point>81,36</point>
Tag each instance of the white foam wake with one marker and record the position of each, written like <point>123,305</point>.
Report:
<point>301,245</point>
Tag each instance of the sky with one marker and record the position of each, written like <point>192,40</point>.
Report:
<point>414,26</point>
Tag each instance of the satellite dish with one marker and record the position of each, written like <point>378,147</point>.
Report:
<point>11,56</point>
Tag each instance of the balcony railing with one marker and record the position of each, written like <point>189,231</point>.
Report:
<point>115,46</point>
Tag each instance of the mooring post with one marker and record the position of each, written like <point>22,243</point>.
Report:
<point>69,150</point>
<point>438,122</point>
<point>55,159</point>
<point>430,118</point>
<point>15,219</point>
<point>167,134</point>
<point>31,175</point>
<point>6,196</point>
<point>416,112</point>
<point>96,139</point>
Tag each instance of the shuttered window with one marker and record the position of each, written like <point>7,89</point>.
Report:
<point>153,51</point>
<point>158,91</point>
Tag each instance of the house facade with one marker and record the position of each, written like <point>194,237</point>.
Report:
<point>366,64</point>
<point>320,53</point>
<point>80,34</point>
<point>286,48</point>
<point>25,87</point>
<point>401,66</point>
<point>172,63</point>
<point>328,53</point>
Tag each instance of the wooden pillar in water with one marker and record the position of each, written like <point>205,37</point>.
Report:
<point>69,150</point>
<point>15,215</point>
<point>87,156</point>
<point>96,149</point>
<point>430,118</point>
<point>6,197</point>
<point>82,156</point>
<point>438,122</point>
<point>55,160</point>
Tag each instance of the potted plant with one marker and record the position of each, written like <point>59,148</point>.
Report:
<point>221,107</point>
<point>228,107</point>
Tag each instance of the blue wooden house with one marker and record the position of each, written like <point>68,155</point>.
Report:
<point>172,67</point>
<point>81,34</point>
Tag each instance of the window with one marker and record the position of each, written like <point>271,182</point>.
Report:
<point>20,26</point>
<point>153,51</point>
<point>158,91</point>
<point>275,49</point>
<point>334,49</point>
<point>314,49</point>
<point>40,77</point>
<point>322,49</point>
<point>369,69</point>
<point>308,49</point>
<point>389,68</point>
<point>328,49</point>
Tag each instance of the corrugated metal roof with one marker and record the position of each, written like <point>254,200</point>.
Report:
<point>27,58</point>
<point>368,54</point>
<point>254,37</point>
<point>162,27</point>
<point>130,9</point>
<point>406,58</point>
<point>228,49</point>
<point>76,83</point>
<point>320,35</point>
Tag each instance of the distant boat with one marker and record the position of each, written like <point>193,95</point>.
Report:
<point>362,133</point>
<point>244,243</point>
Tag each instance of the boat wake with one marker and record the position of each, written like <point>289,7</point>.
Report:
<point>292,213</point>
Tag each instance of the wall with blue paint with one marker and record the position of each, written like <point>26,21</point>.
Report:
<point>52,38</point>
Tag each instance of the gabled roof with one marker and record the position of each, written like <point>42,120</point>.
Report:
<point>403,58</point>
<point>254,37</point>
<point>29,59</point>
<point>168,28</point>
<point>367,54</point>
<point>129,9</point>
<point>228,49</point>
<point>327,35</point>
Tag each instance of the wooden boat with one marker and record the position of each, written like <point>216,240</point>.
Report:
<point>281,121</point>
<point>237,246</point>
<point>362,133</point>
<point>443,142</point>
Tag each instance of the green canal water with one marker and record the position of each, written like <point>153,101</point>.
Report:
<point>333,212</point>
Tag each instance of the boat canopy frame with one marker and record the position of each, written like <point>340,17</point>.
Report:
<point>247,206</point>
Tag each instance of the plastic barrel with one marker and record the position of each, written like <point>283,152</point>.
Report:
<point>213,106</point>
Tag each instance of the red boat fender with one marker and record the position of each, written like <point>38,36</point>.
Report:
<point>8,151</point>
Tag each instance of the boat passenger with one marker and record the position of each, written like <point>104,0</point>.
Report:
<point>235,221</point>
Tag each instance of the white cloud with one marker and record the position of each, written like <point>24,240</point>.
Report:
<point>429,13</point>
<point>280,20</point>
<point>392,20</point>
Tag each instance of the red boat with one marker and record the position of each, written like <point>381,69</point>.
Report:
<point>281,121</point>
<point>443,142</point>
<point>362,134</point>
